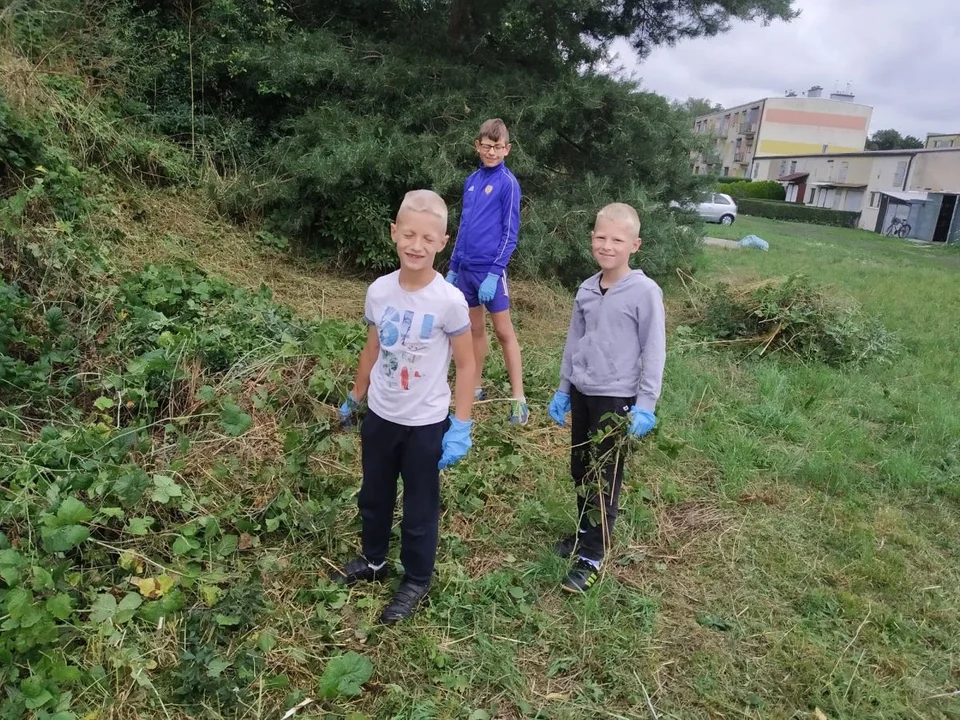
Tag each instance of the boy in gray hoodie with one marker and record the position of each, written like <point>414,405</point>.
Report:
<point>612,367</point>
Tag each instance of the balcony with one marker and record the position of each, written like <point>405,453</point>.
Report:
<point>740,157</point>
<point>748,128</point>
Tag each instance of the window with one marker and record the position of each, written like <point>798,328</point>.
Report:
<point>719,199</point>
<point>793,166</point>
<point>898,176</point>
<point>844,169</point>
<point>874,199</point>
<point>756,170</point>
<point>783,168</point>
<point>726,170</point>
<point>936,143</point>
<point>824,149</point>
<point>829,169</point>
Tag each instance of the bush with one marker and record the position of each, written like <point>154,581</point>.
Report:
<point>728,180</point>
<point>792,316</point>
<point>795,212</point>
<point>555,236</point>
<point>762,190</point>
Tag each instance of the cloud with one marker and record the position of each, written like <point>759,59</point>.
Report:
<point>899,57</point>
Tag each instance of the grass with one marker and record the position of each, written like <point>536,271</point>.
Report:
<point>788,544</point>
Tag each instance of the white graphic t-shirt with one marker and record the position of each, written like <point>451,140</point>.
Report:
<point>408,383</point>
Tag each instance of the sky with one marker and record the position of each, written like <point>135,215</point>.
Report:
<point>899,56</point>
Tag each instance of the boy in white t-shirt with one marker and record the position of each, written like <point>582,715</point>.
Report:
<point>416,322</point>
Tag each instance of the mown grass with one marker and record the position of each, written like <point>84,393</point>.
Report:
<point>789,543</point>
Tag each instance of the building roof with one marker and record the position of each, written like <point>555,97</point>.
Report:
<point>831,183</point>
<point>906,195</point>
<point>792,177</point>
<point>862,153</point>
<point>753,103</point>
<point>933,135</point>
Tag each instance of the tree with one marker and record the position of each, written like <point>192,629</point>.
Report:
<point>579,32</point>
<point>695,107</point>
<point>332,109</point>
<point>892,140</point>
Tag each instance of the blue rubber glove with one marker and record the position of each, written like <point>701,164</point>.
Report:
<point>456,442</point>
<point>451,277</point>
<point>488,288</point>
<point>559,407</point>
<point>349,410</point>
<point>641,421</point>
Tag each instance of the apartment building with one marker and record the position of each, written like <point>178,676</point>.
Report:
<point>920,186</point>
<point>942,140</point>
<point>796,125</point>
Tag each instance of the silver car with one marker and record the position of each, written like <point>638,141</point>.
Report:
<point>713,207</point>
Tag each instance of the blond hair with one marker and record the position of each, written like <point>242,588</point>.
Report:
<point>424,201</point>
<point>495,129</point>
<point>621,213</point>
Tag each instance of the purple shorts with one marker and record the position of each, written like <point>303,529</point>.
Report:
<point>469,282</point>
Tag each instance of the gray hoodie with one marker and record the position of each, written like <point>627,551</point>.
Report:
<point>617,344</point>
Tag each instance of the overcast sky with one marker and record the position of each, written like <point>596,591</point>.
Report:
<point>901,56</point>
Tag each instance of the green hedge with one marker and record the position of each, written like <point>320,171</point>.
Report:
<point>797,213</point>
<point>729,180</point>
<point>761,190</point>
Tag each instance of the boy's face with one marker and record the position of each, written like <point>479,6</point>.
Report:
<point>613,243</point>
<point>491,152</point>
<point>419,236</point>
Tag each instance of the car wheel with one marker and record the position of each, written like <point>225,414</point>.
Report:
<point>726,220</point>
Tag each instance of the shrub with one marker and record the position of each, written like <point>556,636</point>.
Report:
<point>794,317</point>
<point>761,190</point>
<point>795,212</point>
<point>727,180</point>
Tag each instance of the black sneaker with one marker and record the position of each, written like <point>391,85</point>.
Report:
<point>581,577</point>
<point>565,547</point>
<point>359,570</point>
<point>405,601</point>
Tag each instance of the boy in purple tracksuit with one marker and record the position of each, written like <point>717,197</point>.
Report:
<point>612,367</point>
<point>486,240</point>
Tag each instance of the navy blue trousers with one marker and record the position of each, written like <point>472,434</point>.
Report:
<point>391,451</point>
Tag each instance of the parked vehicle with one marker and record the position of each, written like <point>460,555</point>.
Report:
<point>712,207</point>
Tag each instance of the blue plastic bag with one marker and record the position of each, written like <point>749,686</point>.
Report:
<point>754,242</point>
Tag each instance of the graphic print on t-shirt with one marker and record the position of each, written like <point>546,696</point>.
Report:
<point>399,354</point>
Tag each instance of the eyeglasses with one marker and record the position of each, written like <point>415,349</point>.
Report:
<point>487,148</point>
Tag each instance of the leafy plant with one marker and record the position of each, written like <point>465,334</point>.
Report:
<point>345,675</point>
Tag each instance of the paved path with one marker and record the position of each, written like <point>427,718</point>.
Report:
<point>717,242</point>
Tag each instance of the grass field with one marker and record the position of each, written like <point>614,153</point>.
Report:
<point>788,545</point>
<point>800,552</point>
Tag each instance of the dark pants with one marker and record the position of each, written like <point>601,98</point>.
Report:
<point>597,455</point>
<point>390,451</point>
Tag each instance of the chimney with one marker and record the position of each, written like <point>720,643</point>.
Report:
<point>842,95</point>
<point>814,92</point>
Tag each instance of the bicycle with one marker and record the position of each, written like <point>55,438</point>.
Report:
<point>898,227</point>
